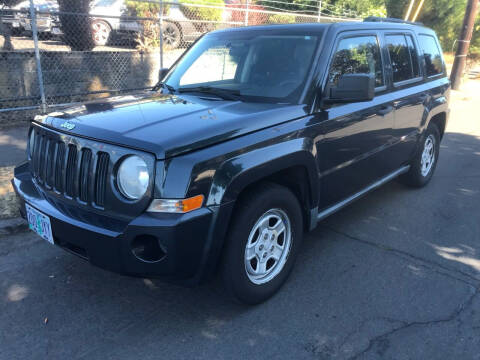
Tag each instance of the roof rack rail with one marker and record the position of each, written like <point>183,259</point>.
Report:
<point>392,20</point>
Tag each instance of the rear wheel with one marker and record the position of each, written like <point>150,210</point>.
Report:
<point>425,160</point>
<point>263,241</point>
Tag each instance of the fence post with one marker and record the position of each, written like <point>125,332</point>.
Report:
<point>33,23</point>
<point>319,11</point>
<point>161,34</point>
<point>246,12</point>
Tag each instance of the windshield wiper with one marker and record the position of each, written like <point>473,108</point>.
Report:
<point>170,88</point>
<point>226,94</point>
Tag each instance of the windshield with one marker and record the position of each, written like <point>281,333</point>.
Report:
<point>104,3</point>
<point>253,65</point>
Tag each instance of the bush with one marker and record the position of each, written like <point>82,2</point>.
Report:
<point>149,38</point>
<point>281,19</point>
<point>238,13</point>
<point>140,9</point>
<point>203,13</point>
<point>77,29</point>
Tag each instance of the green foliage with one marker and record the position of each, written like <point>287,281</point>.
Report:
<point>446,17</point>
<point>203,13</point>
<point>281,19</point>
<point>149,37</point>
<point>362,8</point>
<point>443,16</point>
<point>142,9</point>
<point>397,8</point>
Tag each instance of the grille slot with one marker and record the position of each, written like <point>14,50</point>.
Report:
<point>59,165</point>
<point>85,162</point>
<point>36,154</point>
<point>50,163</point>
<point>71,171</point>
<point>41,170</point>
<point>101,178</point>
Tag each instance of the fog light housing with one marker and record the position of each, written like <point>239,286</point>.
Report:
<point>147,248</point>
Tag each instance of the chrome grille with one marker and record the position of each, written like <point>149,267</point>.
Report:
<point>79,173</point>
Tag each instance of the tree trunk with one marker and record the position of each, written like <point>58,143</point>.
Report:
<point>7,35</point>
<point>76,24</point>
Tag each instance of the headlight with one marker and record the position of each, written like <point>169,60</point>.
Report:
<point>133,177</point>
<point>31,143</point>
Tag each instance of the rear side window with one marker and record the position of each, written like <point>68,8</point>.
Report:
<point>357,55</point>
<point>431,52</point>
<point>403,57</point>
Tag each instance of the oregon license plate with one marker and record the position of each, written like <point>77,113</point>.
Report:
<point>40,223</point>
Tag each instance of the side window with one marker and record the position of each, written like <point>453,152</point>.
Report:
<point>399,57</point>
<point>413,56</point>
<point>431,52</point>
<point>403,57</point>
<point>357,55</point>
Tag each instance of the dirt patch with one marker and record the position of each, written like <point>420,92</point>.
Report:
<point>9,203</point>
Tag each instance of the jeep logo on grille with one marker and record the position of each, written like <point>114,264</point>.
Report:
<point>68,125</point>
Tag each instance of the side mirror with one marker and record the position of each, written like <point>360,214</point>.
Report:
<point>352,88</point>
<point>162,73</point>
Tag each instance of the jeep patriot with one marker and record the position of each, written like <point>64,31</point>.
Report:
<point>249,140</point>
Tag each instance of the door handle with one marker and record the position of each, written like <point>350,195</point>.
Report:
<point>384,110</point>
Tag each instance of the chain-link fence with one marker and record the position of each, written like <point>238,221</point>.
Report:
<point>51,55</point>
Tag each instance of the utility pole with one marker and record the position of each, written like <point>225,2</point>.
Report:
<point>409,11</point>
<point>319,19</point>
<point>463,44</point>
<point>418,10</point>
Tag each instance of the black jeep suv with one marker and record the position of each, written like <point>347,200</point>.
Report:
<point>253,136</point>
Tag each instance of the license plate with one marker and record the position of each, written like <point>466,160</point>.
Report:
<point>39,223</point>
<point>56,31</point>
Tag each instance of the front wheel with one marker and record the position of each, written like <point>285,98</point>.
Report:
<point>425,160</point>
<point>263,241</point>
<point>101,32</point>
<point>172,36</point>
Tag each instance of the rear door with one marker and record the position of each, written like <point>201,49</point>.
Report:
<point>409,92</point>
<point>351,154</point>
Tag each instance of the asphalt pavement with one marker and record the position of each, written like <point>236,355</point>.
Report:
<point>393,276</point>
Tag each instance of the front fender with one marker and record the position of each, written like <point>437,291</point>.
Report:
<point>236,173</point>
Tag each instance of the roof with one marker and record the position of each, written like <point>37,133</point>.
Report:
<point>345,26</point>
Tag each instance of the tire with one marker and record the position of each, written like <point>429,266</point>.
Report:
<point>425,161</point>
<point>254,274</point>
<point>172,36</point>
<point>101,32</point>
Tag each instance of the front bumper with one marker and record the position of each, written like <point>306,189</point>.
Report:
<point>190,243</point>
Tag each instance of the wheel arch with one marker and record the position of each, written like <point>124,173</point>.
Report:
<point>440,120</point>
<point>437,113</point>
<point>296,170</point>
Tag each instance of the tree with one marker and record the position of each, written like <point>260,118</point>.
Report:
<point>5,30</point>
<point>397,8</point>
<point>76,24</point>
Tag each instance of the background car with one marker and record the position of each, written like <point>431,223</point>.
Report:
<point>18,16</point>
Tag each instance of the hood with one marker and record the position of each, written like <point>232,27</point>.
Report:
<point>167,125</point>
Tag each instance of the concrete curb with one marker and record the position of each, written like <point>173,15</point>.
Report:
<point>12,226</point>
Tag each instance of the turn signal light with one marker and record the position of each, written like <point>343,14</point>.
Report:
<point>176,205</point>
